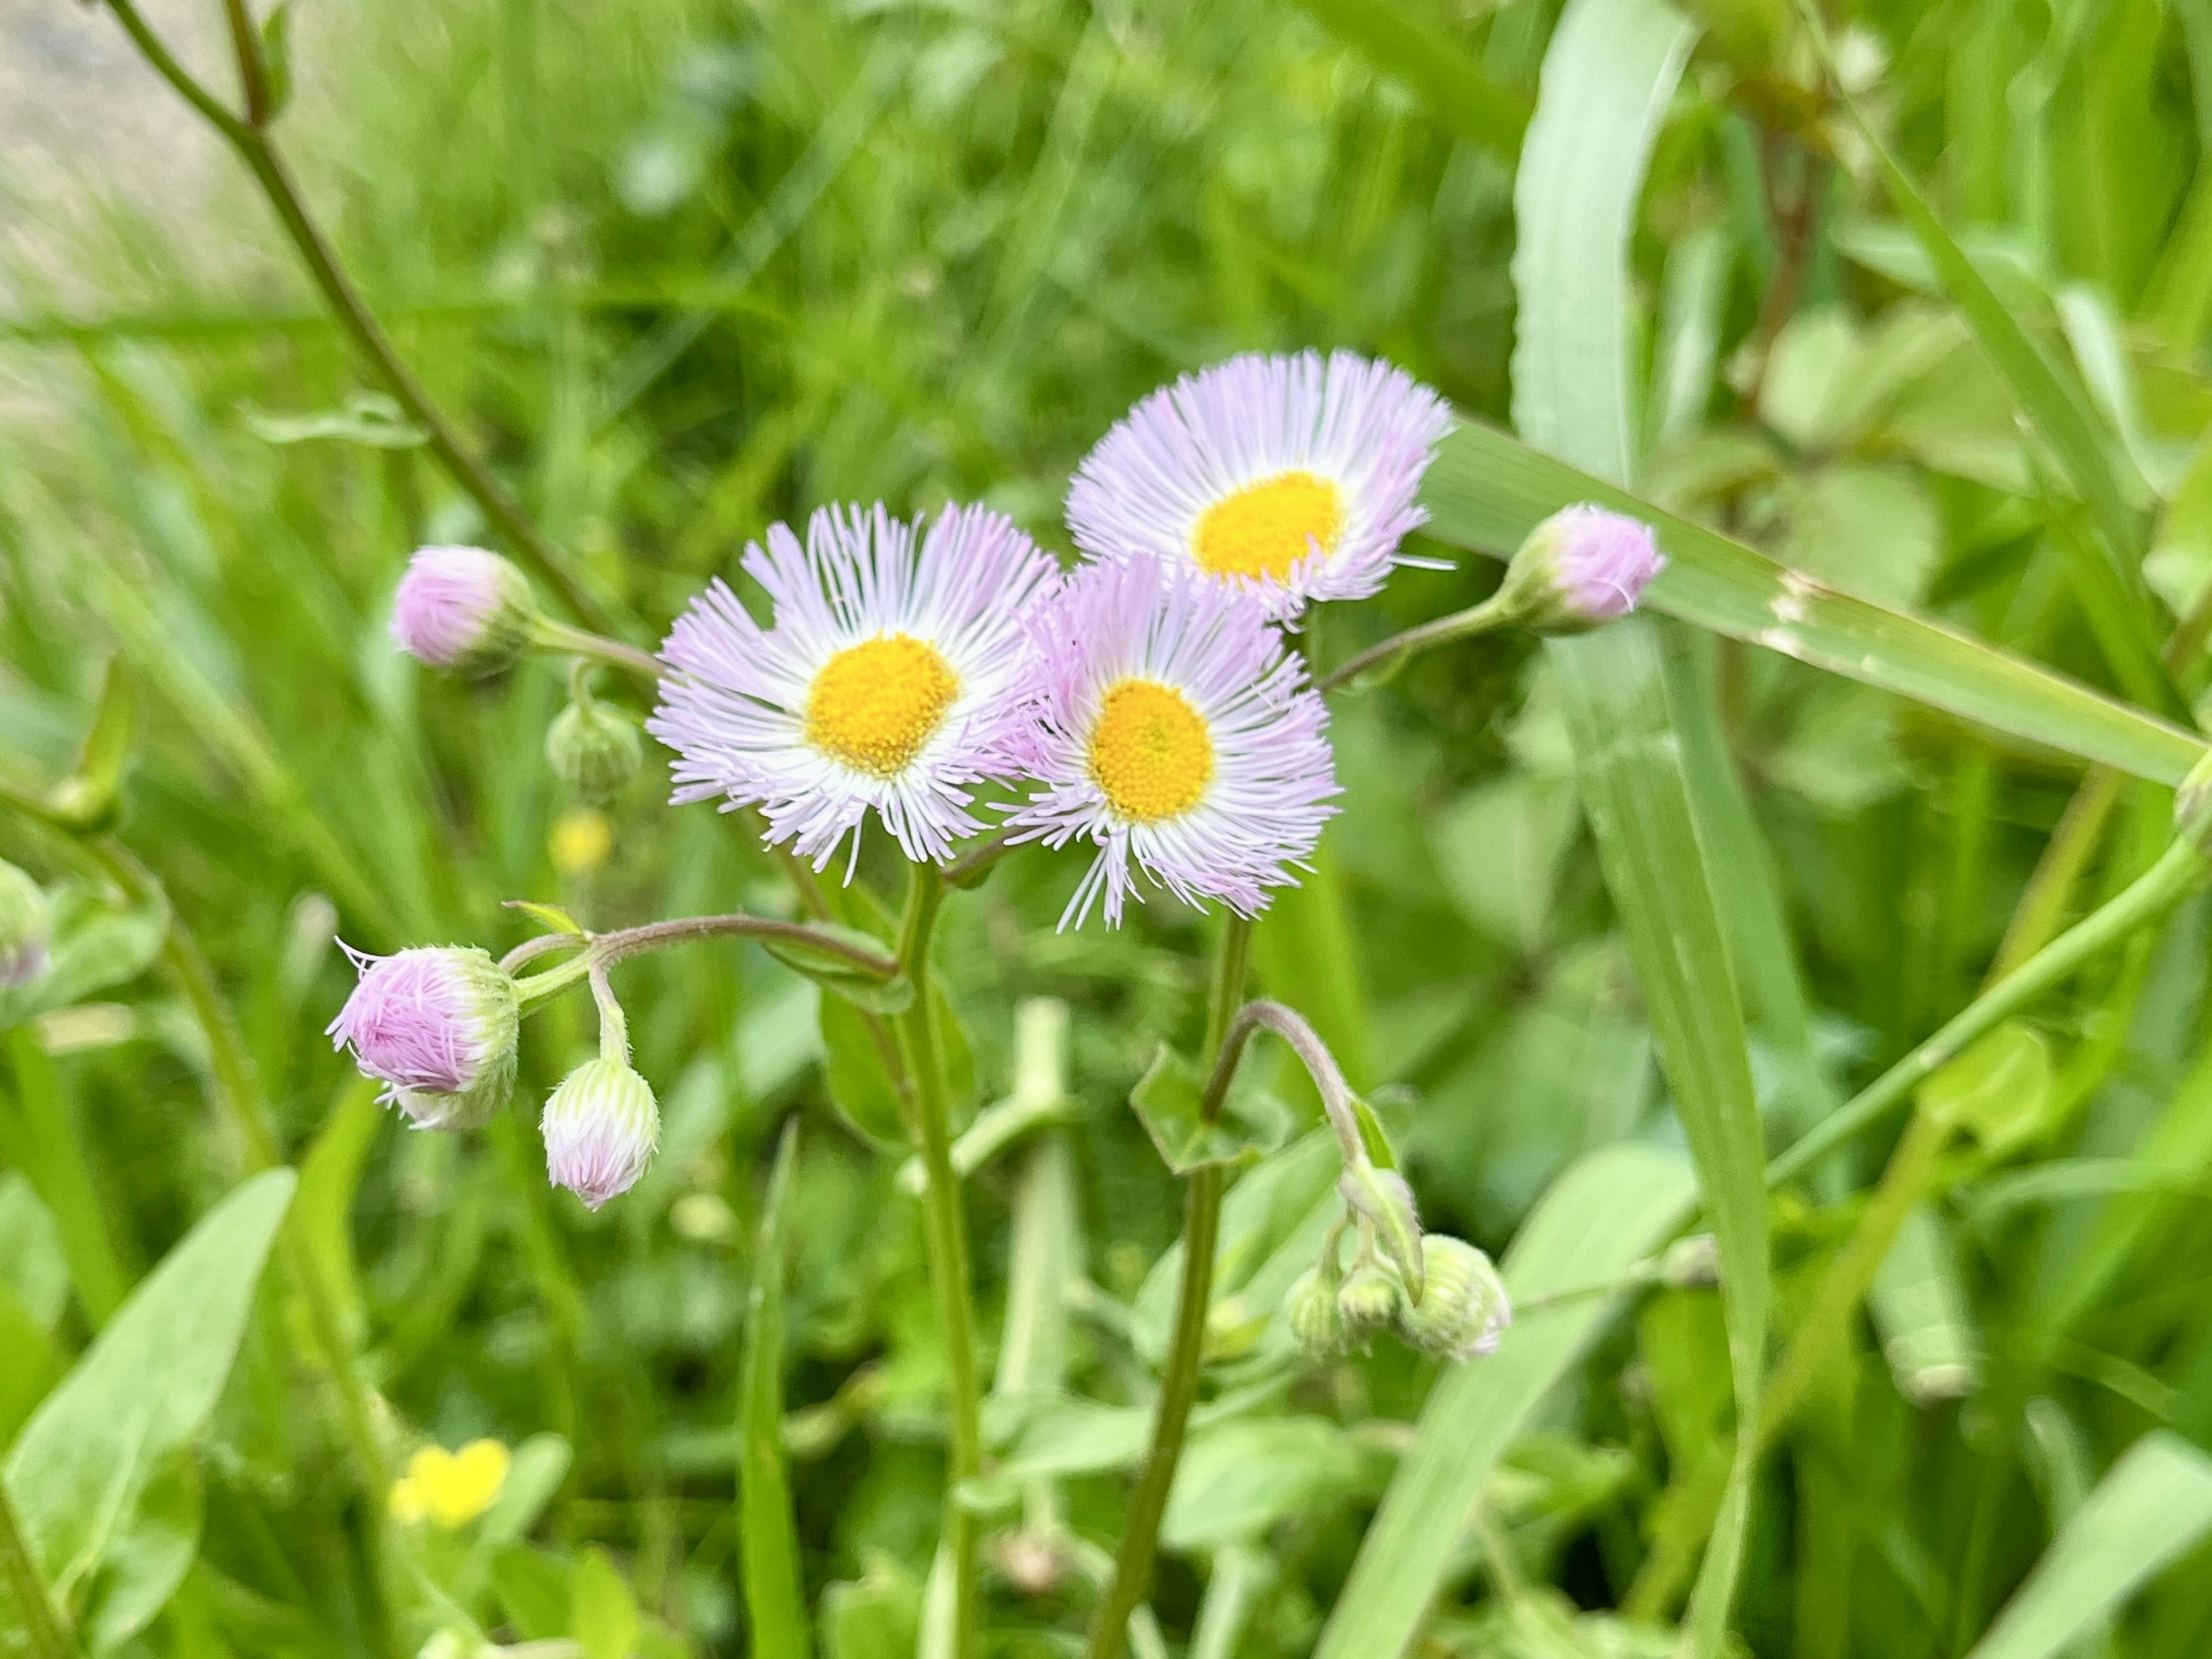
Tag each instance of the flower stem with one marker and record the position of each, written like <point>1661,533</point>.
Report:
<point>946,1227</point>
<point>249,136</point>
<point>1201,1227</point>
<point>45,1634</point>
<point>550,636</point>
<point>605,950</point>
<point>2180,872</point>
<point>1476,619</point>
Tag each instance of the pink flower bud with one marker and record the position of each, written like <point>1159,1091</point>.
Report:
<point>1580,568</point>
<point>601,1126</point>
<point>438,1027</point>
<point>462,610</point>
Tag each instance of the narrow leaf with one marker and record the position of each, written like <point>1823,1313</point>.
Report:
<point>1448,77</point>
<point>775,1604</point>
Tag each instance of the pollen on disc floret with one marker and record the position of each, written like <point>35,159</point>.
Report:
<point>1175,732</point>
<point>1293,476</point>
<point>889,677</point>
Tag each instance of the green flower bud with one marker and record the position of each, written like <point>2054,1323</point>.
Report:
<point>1465,1308</point>
<point>1371,1297</point>
<point>23,927</point>
<point>1579,569</point>
<point>1317,1323</point>
<point>594,749</point>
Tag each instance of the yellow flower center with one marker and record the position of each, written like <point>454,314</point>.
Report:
<point>451,1488</point>
<point>1267,527</point>
<point>875,704</point>
<point>1150,751</point>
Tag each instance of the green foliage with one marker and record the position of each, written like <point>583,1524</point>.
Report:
<point>1895,331</point>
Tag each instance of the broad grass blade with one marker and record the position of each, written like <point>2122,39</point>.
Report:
<point>2150,1509</point>
<point>775,1606</point>
<point>1608,1209</point>
<point>1608,75</point>
<point>1487,489</point>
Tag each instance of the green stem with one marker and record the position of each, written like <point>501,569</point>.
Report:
<point>947,1237</point>
<point>1476,619</point>
<point>45,1634</point>
<point>250,139</point>
<point>1201,1227</point>
<point>550,636</point>
<point>2178,873</point>
<point>597,950</point>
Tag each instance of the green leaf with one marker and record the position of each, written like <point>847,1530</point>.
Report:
<point>602,1612</point>
<point>91,797</point>
<point>775,1607</point>
<point>870,1617</point>
<point>323,1219</point>
<point>1487,490</point>
<point>1920,1309</point>
<point>276,56</point>
<point>38,1137</point>
<point>102,1442</point>
<point>1167,1099</point>
<point>534,1474</point>
<point>1999,1091</point>
<point>834,972</point>
<point>1239,1479</point>
<point>554,919</point>
<point>96,946</point>
<point>1448,77</point>
<point>2152,1507</point>
<point>1607,1210</point>
<point>1609,74</point>
<point>854,1068</point>
<point>150,1558</point>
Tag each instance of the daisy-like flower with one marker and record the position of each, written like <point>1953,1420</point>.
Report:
<point>890,678</point>
<point>1291,476</point>
<point>1174,730</point>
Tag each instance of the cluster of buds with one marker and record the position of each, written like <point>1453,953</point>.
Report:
<point>1460,1309</point>
<point>594,749</point>
<point>24,924</point>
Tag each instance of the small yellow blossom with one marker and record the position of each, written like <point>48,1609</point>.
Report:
<point>450,1488</point>
<point>580,841</point>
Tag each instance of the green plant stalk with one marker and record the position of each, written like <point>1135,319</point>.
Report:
<point>47,1635</point>
<point>947,1226</point>
<point>2180,873</point>
<point>550,636</point>
<point>250,139</point>
<point>1482,618</point>
<point>1133,1565</point>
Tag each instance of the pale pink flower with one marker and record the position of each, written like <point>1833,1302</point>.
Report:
<point>438,1027</point>
<point>462,610</point>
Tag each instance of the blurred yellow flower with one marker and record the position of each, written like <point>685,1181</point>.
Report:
<point>580,841</point>
<point>450,1488</point>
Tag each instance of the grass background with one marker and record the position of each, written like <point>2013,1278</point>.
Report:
<point>684,267</point>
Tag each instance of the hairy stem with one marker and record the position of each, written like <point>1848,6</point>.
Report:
<point>553,635</point>
<point>251,139</point>
<point>946,1224</point>
<point>605,950</point>
<point>1201,1227</point>
<point>1476,619</point>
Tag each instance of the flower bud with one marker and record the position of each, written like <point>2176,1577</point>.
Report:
<point>1371,1297</point>
<point>1317,1323</point>
<point>464,611</point>
<point>438,1025</point>
<point>23,927</point>
<point>594,749</point>
<point>601,1126</point>
<point>1465,1309</point>
<point>1583,567</point>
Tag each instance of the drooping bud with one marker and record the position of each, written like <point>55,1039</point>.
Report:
<point>594,749</point>
<point>24,924</point>
<point>1316,1322</point>
<point>1464,1309</point>
<point>462,610</point>
<point>601,1126</point>
<point>1583,567</point>
<point>1371,1297</point>
<point>438,1025</point>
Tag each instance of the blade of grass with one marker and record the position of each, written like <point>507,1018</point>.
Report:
<point>1609,76</point>
<point>2151,1508</point>
<point>775,1605</point>
<point>1605,1212</point>
<point>1487,490</point>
